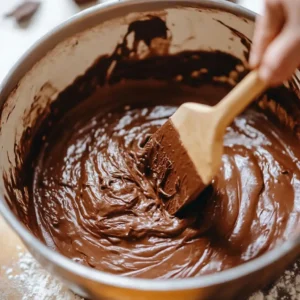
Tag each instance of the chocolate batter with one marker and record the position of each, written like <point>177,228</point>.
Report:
<point>94,204</point>
<point>90,195</point>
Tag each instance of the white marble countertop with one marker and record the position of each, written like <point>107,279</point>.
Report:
<point>15,40</point>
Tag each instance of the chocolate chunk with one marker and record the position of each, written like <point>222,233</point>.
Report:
<point>24,11</point>
<point>84,1</point>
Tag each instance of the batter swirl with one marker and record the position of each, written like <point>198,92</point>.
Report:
<point>94,204</point>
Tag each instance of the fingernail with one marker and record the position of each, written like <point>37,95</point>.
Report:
<point>253,61</point>
<point>265,73</point>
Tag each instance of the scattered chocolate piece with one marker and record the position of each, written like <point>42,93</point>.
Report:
<point>84,1</point>
<point>24,11</point>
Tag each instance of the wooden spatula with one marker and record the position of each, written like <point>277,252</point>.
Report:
<point>185,154</point>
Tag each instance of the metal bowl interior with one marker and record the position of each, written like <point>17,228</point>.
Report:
<point>66,52</point>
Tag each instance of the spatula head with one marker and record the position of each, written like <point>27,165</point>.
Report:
<point>171,170</point>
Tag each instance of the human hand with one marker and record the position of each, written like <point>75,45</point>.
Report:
<point>276,43</point>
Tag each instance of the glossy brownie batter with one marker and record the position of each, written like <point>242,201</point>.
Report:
<point>94,203</point>
<point>83,183</point>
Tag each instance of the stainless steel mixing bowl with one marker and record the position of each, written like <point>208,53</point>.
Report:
<point>54,62</point>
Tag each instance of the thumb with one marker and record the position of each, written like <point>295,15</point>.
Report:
<point>282,57</point>
<point>267,27</point>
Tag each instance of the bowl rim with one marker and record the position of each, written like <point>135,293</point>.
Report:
<point>39,50</point>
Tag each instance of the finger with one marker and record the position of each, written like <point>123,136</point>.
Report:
<point>282,57</point>
<point>266,29</point>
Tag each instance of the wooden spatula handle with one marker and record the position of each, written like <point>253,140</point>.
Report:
<point>240,97</point>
